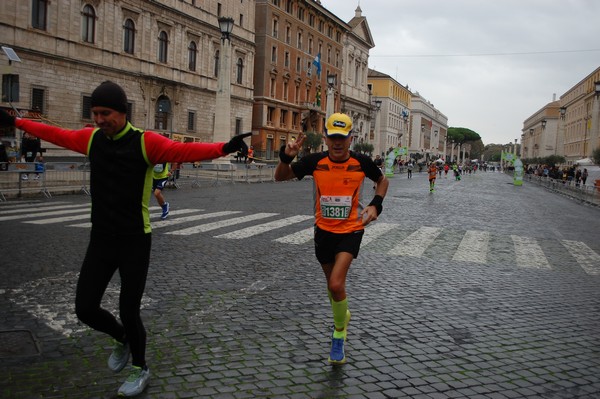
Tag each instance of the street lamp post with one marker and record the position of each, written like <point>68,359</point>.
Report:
<point>222,127</point>
<point>331,81</point>
<point>515,152</point>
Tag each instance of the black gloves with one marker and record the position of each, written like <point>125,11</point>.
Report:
<point>237,144</point>
<point>6,119</point>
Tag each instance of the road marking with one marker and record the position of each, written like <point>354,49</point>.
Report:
<point>28,215</point>
<point>529,253</point>
<point>416,243</point>
<point>584,255</point>
<point>185,219</point>
<point>261,228</point>
<point>298,238</point>
<point>473,247</point>
<point>201,228</point>
<point>152,216</point>
<point>49,207</point>
<point>375,230</point>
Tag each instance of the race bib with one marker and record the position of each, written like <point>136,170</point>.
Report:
<point>336,207</point>
<point>159,167</point>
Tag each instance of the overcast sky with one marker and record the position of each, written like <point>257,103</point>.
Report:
<point>486,64</point>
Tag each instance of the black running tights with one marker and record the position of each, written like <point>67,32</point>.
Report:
<point>107,253</point>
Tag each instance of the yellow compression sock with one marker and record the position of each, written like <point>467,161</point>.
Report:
<point>339,316</point>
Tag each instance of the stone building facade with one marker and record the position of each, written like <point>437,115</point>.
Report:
<point>164,54</point>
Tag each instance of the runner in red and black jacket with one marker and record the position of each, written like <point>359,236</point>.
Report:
<point>122,158</point>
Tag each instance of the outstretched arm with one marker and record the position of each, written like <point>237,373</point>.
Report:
<point>286,156</point>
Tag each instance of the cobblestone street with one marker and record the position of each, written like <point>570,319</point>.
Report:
<point>479,290</point>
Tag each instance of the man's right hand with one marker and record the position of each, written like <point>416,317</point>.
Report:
<point>6,119</point>
<point>293,147</point>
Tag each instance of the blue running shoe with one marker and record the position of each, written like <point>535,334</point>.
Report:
<point>337,355</point>
<point>165,211</point>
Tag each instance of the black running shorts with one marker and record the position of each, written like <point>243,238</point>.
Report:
<point>327,244</point>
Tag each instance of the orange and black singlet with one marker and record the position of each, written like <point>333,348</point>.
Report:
<point>337,188</point>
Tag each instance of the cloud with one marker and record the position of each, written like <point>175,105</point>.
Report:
<point>486,65</point>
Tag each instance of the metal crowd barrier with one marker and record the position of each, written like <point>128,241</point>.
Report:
<point>73,177</point>
<point>17,179</point>
<point>589,193</point>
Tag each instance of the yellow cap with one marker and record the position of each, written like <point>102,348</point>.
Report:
<point>338,125</point>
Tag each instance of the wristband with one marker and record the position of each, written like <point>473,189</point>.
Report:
<point>377,202</point>
<point>283,157</point>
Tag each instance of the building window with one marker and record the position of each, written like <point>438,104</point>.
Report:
<point>219,9</point>
<point>301,14</point>
<point>288,34</point>
<point>286,60</point>
<point>300,40</point>
<point>270,111</point>
<point>217,63</point>
<point>285,90</point>
<point>274,54</point>
<point>38,102</point>
<point>275,28</point>
<point>273,87</point>
<point>163,111</point>
<point>192,54</point>
<point>128,36</point>
<point>239,74</point>
<point>238,126</point>
<point>298,64</point>
<point>191,122</point>
<point>10,88</point>
<point>88,24</point>
<point>39,14</point>
<point>163,46</point>
<point>282,118</point>
<point>288,6</point>
<point>241,20</point>
<point>311,20</point>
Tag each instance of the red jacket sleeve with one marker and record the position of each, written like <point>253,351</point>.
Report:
<point>75,140</point>
<point>160,149</point>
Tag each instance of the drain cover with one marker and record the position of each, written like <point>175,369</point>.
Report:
<point>18,343</point>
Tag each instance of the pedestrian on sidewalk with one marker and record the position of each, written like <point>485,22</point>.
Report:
<point>160,175</point>
<point>122,158</point>
<point>409,168</point>
<point>338,175</point>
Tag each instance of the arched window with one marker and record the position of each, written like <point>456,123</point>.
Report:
<point>192,54</point>
<point>128,36</point>
<point>239,71</point>
<point>88,24</point>
<point>217,63</point>
<point>163,110</point>
<point>163,46</point>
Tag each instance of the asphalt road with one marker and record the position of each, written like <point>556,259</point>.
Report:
<point>478,290</point>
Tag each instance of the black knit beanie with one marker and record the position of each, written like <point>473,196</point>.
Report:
<point>110,95</point>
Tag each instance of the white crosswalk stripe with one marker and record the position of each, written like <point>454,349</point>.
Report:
<point>298,238</point>
<point>585,256</point>
<point>376,230</point>
<point>261,228</point>
<point>201,228</point>
<point>416,243</point>
<point>27,214</point>
<point>473,247</point>
<point>529,253</point>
